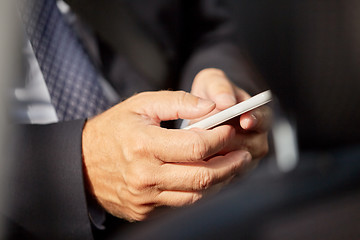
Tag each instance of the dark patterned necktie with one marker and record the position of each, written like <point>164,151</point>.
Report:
<point>70,76</point>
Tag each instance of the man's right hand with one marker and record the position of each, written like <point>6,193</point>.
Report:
<point>133,165</point>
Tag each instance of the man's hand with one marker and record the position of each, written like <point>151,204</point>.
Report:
<point>133,165</point>
<point>251,127</point>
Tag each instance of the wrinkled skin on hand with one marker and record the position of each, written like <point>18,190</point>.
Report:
<point>132,165</point>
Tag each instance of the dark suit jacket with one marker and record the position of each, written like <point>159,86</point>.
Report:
<point>167,42</point>
<point>47,196</point>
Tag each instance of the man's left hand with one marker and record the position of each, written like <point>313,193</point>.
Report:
<point>251,127</point>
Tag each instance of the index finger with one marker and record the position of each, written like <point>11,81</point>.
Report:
<point>212,83</point>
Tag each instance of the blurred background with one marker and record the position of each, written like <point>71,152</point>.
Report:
<point>9,60</point>
<point>309,53</point>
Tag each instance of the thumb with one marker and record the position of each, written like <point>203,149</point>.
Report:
<point>170,105</point>
<point>213,84</point>
<point>222,93</point>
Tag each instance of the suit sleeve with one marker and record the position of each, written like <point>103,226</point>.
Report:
<point>47,197</point>
<point>211,43</point>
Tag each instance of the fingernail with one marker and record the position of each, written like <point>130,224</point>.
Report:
<point>249,122</point>
<point>225,99</point>
<point>247,158</point>
<point>203,103</point>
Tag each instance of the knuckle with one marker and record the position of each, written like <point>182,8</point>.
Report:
<point>184,97</point>
<point>203,179</point>
<point>137,202</point>
<point>195,197</point>
<point>135,189</point>
<point>142,212</point>
<point>145,210</point>
<point>137,148</point>
<point>223,140</point>
<point>136,217</point>
<point>199,149</point>
<point>143,180</point>
<point>140,179</point>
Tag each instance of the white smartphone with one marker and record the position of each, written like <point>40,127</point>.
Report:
<point>234,111</point>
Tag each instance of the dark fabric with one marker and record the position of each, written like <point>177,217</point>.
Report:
<point>166,43</point>
<point>326,72</point>
<point>308,52</point>
<point>47,197</point>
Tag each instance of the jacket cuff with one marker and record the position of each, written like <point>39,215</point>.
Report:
<point>48,196</point>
